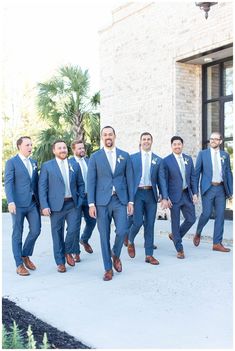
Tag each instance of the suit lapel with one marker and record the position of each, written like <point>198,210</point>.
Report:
<point>57,170</point>
<point>21,164</point>
<point>176,164</point>
<point>105,159</point>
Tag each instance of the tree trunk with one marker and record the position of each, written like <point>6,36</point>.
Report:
<point>79,132</point>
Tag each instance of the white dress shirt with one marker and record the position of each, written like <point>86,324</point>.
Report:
<point>219,163</point>
<point>24,160</point>
<point>143,159</point>
<point>66,164</point>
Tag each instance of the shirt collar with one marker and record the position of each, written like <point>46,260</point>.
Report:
<point>113,149</point>
<point>178,155</point>
<point>59,160</point>
<point>22,157</point>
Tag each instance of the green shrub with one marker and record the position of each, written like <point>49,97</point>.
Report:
<point>4,205</point>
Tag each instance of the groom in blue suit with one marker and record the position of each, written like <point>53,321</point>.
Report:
<point>216,184</point>
<point>21,187</point>
<point>110,196</point>
<point>61,192</point>
<point>182,192</point>
<point>149,181</point>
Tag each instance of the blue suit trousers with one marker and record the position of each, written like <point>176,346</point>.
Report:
<point>215,196</point>
<point>31,213</point>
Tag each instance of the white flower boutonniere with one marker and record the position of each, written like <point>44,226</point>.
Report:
<point>34,166</point>
<point>154,161</point>
<point>71,168</point>
<point>186,160</point>
<point>120,157</point>
<point>223,158</point>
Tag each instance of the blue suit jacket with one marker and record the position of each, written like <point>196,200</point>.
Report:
<point>156,173</point>
<point>174,179</point>
<point>100,179</point>
<point>203,168</point>
<point>52,188</point>
<point>19,187</point>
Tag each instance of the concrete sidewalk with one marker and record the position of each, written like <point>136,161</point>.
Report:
<point>178,304</point>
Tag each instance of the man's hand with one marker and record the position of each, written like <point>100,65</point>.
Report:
<point>130,209</point>
<point>195,199</point>
<point>12,208</point>
<point>46,211</point>
<point>169,203</point>
<point>164,204</point>
<point>92,211</point>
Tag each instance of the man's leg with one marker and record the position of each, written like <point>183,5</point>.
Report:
<point>34,220</point>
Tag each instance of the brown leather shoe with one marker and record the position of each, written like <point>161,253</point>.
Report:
<point>117,264</point>
<point>151,260</point>
<point>21,270</point>
<point>154,247</point>
<point>220,247</point>
<point>126,241</point>
<point>61,268</point>
<point>77,258</point>
<point>70,260</point>
<point>170,236</point>
<point>180,254</point>
<point>28,263</point>
<point>196,239</point>
<point>131,250</point>
<point>108,275</point>
<point>87,247</point>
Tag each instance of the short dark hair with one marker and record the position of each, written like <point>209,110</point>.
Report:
<point>20,140</point>
<point>108,127</point>
<point>146,133</point>
<point>80,141</point>
<point>176,137</point>
<point>56,142</point>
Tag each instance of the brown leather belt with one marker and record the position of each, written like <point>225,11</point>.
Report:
<point>147,187</point>
<point>217,184</point>
<point>66,199</point>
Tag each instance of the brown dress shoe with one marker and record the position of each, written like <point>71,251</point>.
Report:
<point>61,268</point>
<point>108,275</point>
<point>87,247</point>
<point>170,236</point>
<point>70,260</point>
<point>196,239</point>
<point>21,270</point>
<point>117,264</point>
<point>151,260</point>
<point>220,247</point>
<point>131,250</point>
<point>180,254</point>
<point>126,241</point>
<point>28,263</point>
<point>77,258</point>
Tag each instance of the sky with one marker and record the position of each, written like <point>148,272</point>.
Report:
<point>39,36</point>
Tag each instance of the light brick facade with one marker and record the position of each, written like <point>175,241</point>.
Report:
<point>144,87</point>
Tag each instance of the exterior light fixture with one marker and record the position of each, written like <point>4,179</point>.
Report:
<point>205,6</point>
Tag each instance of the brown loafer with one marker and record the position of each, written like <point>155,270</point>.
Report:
<point>21,270</point>
<point>28,263</point>
<point>108,275</point>
<point>220,247</point>
<point>61,268</point>
<point>180,254</point>
<point>77,258</point>
<point>126,241</point>
<point>70,260</point>
<point>196,239</point>
<point>131,250</point>
<point>87,247</point>
<point>151,260</point>
<point>170,236</point>
<point>117,264</point>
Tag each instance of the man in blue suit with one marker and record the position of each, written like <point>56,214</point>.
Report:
<point>216,184</point>
<point>79,158</point>
<point>110,195</point>
<point>149,181</point>
<point>182,192</point>
<point>21,187</point>
<point>61,192</point>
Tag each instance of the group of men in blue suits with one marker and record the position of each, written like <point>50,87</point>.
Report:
<point>113,185</point>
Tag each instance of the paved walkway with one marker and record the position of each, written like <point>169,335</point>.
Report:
<point>178,304</point>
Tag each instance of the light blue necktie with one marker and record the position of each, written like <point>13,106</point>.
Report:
<point>84,171</point>
<point>182,171</point>
<point>66,182</point>
<point>146,169</point>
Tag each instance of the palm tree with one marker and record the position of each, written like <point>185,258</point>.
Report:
<point>64,103</point>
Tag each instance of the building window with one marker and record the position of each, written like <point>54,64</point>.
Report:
<point>217,114</point>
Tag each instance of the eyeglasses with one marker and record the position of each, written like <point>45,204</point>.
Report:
<point>214,139</point>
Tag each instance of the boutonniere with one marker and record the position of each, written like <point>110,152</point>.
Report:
<point>120,158</point>
<point>71,168</point>
<point>34,166</point>
<point>186,160</point>
<point>154,161</point>
<point>223,158</point>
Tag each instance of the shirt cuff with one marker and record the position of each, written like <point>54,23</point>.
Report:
<point>90,205</point>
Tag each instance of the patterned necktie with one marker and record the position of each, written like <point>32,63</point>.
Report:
<point>216,171</point>
<point>146,169</point>
<point>66,182</point>
<point>28,166</point>
<point>182,171</point>
<point>84,171</point>
<point>110,159</point>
